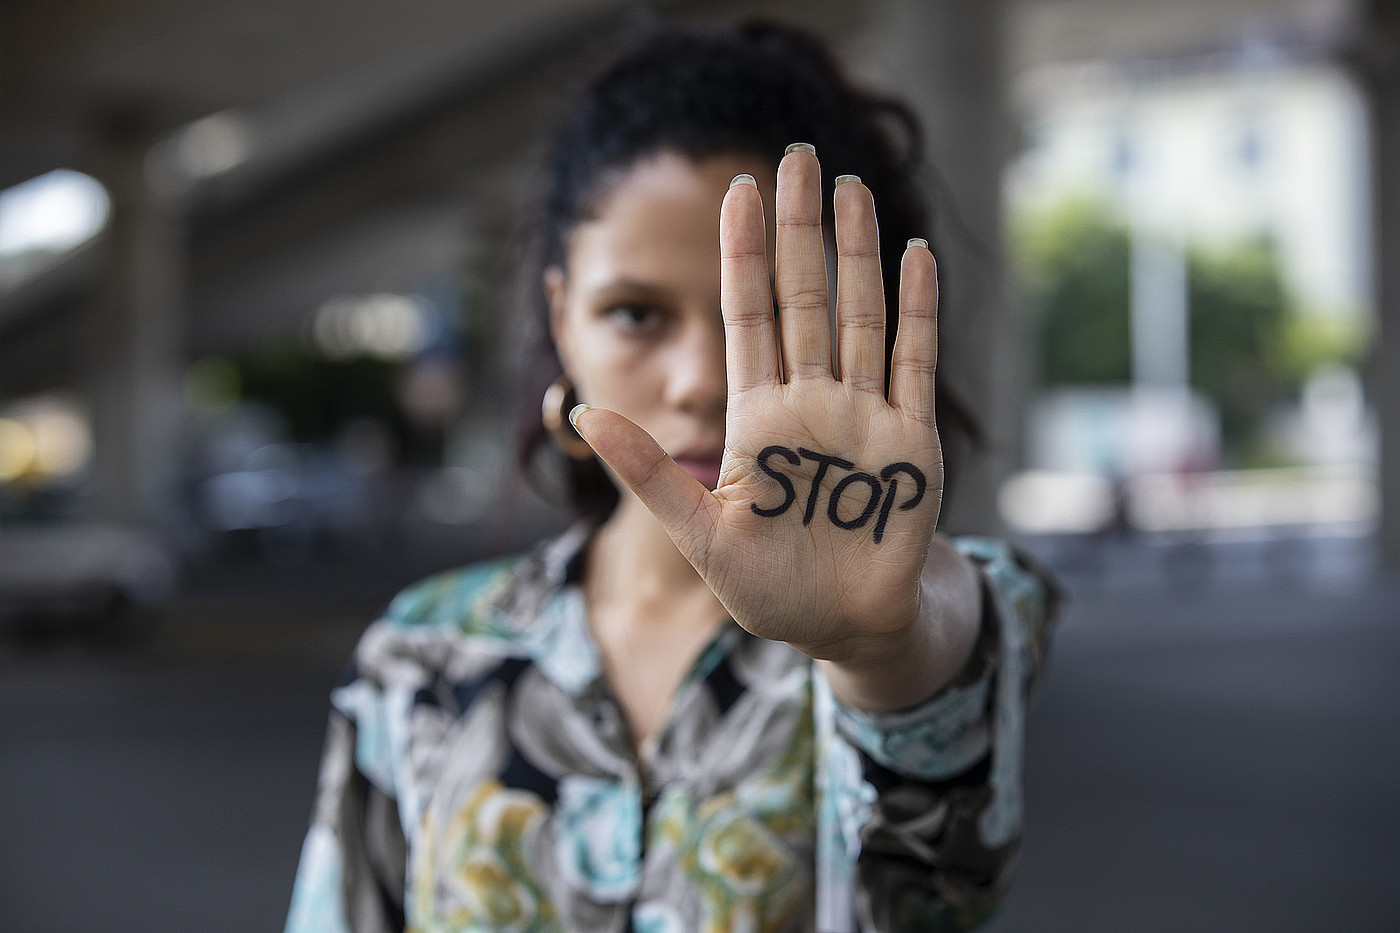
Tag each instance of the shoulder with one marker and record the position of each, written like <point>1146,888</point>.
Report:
<point>460,623</point>
<point>493,599</point>
<point>466,600</point>
<point>457,624</point>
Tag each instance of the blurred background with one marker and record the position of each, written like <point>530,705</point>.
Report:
<point>259,370</point>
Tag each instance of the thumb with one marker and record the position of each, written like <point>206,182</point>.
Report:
<point>685,508</point>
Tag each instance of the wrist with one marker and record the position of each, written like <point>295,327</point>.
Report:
<point>874,645</point>
<point>886,673</point>
<point>910,664</point>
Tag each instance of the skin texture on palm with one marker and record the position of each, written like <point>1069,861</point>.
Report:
<point>893,620</point>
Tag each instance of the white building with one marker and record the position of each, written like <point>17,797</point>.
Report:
<point>1212,151</point>
<point>1203,151</point>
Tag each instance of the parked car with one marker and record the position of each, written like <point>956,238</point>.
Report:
<point>103,581</point>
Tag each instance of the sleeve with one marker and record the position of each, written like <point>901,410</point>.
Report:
<point>920,810</point>
<point>351,875</point>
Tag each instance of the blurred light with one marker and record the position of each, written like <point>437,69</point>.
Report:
<point>1121,431</point>
<point>45,437</point>
<point>16,449</point>
<point>1291,497</point>
<point>209,146</point>
<point>1334,392</point>
<point>212,386</point>
<point>390,327</point>
<point>62,444</point>
<point>54,212</point>
<point>1046,501</point>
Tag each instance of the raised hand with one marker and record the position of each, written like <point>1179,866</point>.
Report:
<point>829,489</point>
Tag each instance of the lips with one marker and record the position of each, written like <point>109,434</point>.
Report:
<point>704,467</point>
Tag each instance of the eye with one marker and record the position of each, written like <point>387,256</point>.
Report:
<point>635,317</point>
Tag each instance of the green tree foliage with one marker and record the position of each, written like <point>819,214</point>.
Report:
<point>1239,310</point>
<point>1073,262</point>
<point>318,396</point>
<point>1074,268</point>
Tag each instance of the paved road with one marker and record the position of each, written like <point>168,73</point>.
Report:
<point>1215,748</point>
<point>1220,754</point>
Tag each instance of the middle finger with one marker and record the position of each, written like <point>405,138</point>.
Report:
<point>860,293</point>
<point>800,267</point>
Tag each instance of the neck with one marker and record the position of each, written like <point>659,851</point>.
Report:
<point>635,571</point>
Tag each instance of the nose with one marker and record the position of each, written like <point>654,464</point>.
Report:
<point>696,383</point>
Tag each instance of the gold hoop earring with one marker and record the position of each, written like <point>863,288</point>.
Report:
<point>554,412</point>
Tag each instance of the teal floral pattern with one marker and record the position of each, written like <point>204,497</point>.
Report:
<point>478,776</point>
<point>599,836</point>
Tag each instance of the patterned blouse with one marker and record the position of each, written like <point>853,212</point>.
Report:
<point>479,776</point>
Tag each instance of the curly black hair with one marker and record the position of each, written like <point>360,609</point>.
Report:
<point>752,88</point>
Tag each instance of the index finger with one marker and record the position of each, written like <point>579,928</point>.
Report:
<point>860,292</point>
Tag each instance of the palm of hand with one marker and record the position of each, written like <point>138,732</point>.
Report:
<point>829,491</point>
<point>800,562</point>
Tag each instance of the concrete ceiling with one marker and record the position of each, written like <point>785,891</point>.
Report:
<point>304,73</point>
<point>301,70</point>
<point>362,113</point>
<point>1048,32</point>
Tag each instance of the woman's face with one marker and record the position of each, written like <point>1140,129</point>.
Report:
<point>635,313</point>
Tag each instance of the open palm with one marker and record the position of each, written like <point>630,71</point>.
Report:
<point>830,488</point>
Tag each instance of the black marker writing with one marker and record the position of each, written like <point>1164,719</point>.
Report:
<point>823,461</point>
<point>881,493</point>
<point>831,506</point>
<point>783,481</point>
<point>888,474</point>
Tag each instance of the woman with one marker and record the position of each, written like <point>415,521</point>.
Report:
<point>751,689</point>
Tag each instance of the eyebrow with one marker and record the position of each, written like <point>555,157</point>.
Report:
<point>632,287</point>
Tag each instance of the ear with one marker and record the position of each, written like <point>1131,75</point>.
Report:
<point>556,293</point>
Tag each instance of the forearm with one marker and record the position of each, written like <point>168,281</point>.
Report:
<point>904,670</point>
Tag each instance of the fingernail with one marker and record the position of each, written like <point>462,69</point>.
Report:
<point>742,180</point>
<point>575,412</point>
<point>916,241</point>
<point>842,179</point>
<point>805,147</point>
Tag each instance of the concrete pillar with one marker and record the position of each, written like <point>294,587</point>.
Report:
<point>948,59</point>
<point>1379,70</point>
<point>135,339</point>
